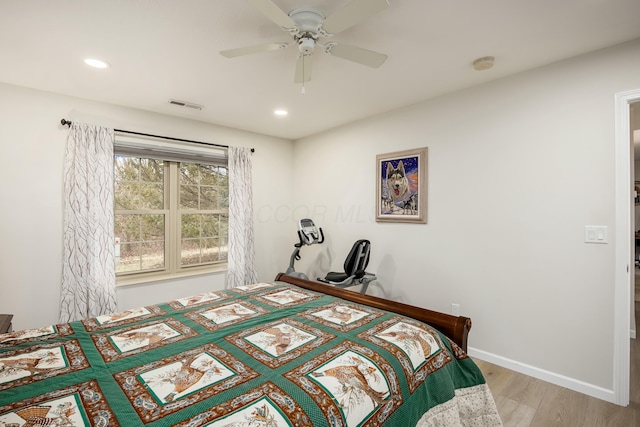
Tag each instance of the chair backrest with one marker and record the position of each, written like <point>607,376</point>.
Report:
<point>358,257</point>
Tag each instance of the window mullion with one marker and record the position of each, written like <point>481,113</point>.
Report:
<point>173,233</point>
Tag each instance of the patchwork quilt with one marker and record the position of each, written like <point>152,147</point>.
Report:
<point>262,355</point>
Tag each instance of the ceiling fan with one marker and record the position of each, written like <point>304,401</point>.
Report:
<point>307,26</point>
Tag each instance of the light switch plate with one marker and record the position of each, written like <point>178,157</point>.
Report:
<point>596,234</point>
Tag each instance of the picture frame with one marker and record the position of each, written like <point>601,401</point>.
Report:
<point>401,186</point>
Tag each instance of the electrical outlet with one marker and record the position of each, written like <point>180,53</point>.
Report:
<point>455,309</point>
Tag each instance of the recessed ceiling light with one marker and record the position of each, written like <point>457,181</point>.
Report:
<point>96,63</point>
<point>280,112</point>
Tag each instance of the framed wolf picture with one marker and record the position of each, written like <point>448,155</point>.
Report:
<point>402,186</point>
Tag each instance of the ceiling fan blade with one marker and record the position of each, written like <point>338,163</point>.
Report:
<point>357,54</point>
<point>353,13</point>
<point>273,13</point>
<point>303,69</point>
<point>249,50</point>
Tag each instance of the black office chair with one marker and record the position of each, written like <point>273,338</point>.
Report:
<point>354,268</point>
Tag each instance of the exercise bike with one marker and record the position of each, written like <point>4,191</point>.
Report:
<point>354,265</point>
<point>309,235</point>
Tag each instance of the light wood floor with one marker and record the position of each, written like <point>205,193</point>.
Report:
<point>524,401</point>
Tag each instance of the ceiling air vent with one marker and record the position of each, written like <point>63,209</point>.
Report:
<point>186,104</point>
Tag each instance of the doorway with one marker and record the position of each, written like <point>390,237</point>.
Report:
<point>634,121</point>
<point>625,243</point>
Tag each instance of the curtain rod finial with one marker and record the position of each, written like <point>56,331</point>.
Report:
<point>65,122</point>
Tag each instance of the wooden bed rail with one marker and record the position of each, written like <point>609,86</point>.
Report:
<point>455,327</point>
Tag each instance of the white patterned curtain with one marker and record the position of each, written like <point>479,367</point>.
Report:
<point>88,272</point>
<point>242,260</point>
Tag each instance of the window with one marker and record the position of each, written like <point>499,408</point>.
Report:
<point>141,214</point>
<point>171,215</point>
<point>203,212</point>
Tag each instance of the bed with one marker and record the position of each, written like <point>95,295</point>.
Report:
<point>289,352</point>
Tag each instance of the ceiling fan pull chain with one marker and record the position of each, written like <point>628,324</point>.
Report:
<point>302,91</point>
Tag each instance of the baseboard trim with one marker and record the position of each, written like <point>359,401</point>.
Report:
<point>541,374</point>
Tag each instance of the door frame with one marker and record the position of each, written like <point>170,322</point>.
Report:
<point>624,250</point>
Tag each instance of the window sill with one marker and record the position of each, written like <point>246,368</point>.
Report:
<point>164,277</point>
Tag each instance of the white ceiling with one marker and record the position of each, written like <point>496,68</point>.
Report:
<point>163,49</point>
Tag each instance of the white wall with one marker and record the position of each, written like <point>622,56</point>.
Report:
<point>32,145</point>
<point>516,169</point>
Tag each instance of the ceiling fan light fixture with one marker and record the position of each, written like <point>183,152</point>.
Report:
<point>306,45</point>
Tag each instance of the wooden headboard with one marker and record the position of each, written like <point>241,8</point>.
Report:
<point>455,327</point>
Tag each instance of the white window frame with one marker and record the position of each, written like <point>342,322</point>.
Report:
<point>174,152</point>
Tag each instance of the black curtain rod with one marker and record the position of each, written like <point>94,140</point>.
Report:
<point>68,123</point>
